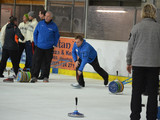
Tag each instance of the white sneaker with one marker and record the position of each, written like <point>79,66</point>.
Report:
<point>76,85</point>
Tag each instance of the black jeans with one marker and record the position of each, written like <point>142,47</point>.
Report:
<point>97,68</point>
<point>43,68</point>
<point>143,76</point>
<point>13,54</point>
<point>40,56</point>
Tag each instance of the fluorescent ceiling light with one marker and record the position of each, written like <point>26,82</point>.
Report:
<point>112,11</point>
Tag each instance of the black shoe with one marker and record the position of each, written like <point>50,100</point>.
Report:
<point>33,80</point>
<point>106,80</point>
<point>1,76</point>
<point>41,77</point>
<point>83,85</point>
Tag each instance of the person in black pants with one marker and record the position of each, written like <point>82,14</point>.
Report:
<point>141,77</point>
<point>39,54</point>
<point>43,67</point>
<point>46,35</point>
<point>84,53</point>
<point>10,47</point>
<point>97,68</point>
<point>143,58</point>
<point>23,26</point>
<point>42,14</point>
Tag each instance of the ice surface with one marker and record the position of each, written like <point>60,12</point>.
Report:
<point>54,100</point>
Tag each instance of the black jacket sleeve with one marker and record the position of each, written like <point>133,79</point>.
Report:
<point>18,33</point>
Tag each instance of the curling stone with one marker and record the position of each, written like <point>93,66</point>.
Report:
<point>76,113</point>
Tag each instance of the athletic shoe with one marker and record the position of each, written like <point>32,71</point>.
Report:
<point>33,80</point>
<point>45,80</point>
<point>76,85</point>
<point>41,77</point>
<point>1,76</point>
<point>106,80</point>
<point>9,80</point>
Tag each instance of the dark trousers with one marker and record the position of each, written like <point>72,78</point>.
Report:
<point>33,60</point>
<point>40,56</point>
<point>29,54</point>
<point>43,68</point>
<point>96,67</point>
<point>13,54</point>
<point>143,76</point>
<point>21,49</point>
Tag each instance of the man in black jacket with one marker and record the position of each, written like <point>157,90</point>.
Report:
<point>10,47</point>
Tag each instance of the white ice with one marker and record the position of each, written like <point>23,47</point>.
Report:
<point>54,100</point>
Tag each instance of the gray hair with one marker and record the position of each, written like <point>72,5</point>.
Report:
<point>50,13</point>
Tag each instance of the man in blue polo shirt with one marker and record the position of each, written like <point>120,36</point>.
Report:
<point>84,53</point>
<point>46,36</point>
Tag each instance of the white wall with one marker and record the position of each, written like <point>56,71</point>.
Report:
<point>111,55</point>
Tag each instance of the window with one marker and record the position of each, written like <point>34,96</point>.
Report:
<point>101,22</point>
<point>109,23</point>
<point>69,15</point>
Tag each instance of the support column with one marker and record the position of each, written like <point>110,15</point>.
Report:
<point>135,16</point>
<point>153,2</point>
<point>72,16</point>
<point>86,19</point>
<point>46,5</point>
<point>14,11</point>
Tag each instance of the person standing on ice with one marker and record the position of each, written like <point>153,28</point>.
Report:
<point>84,53</point>
<point>42,14</point>
<point>46,36</point>
<point>29,46</point>
<point>23,26</point>
<point>41,77</point>
<point>10,46</point>
<point>143,58</point>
